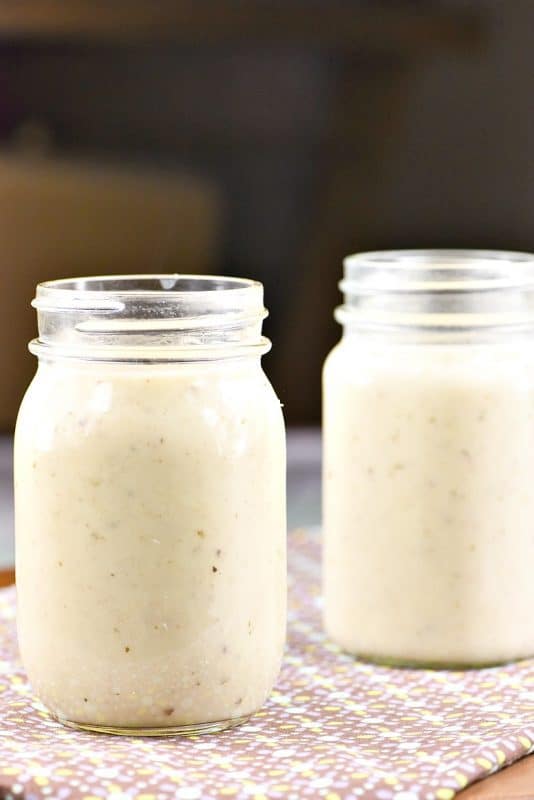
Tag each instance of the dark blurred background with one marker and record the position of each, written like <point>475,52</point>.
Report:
<point>262,138</point>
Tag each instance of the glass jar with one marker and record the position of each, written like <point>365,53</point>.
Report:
<point>150,505</point>
<point>429,459</point>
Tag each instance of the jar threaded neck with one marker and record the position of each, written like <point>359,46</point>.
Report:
<point>438,290</point>
<point>150,317</point>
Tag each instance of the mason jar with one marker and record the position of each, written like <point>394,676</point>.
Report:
<point>429,459</point>
<point>150,505</point>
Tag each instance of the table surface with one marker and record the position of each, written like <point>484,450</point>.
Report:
<point>304,453</point>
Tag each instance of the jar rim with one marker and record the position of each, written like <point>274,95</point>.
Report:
<point>161,316</point>
<point>436,270</point>
<point>438,288</point>
<point>435,256</point>
<point>107,290</point>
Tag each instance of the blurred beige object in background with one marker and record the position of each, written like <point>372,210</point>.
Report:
<point>67,218</point>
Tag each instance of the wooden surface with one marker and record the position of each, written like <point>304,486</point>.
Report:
<point>318,23</point>
<point>7,577</point>
<point>514,783</point>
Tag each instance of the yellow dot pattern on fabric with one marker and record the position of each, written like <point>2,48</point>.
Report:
<point>333,728</point>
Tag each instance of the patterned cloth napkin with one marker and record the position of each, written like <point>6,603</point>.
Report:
<point>333,728</point>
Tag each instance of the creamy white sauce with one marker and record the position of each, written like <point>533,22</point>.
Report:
<point>150,524</point>
<point>429,501</point>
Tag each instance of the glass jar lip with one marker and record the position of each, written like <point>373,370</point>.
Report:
<point>435,256</point>
<point>436,270</point>
<point>454,289</point>
<point>109,292</point>
<point>150,316</point>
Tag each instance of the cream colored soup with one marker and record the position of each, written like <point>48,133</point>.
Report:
<point>429,501</point>
<point>150,507</point>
